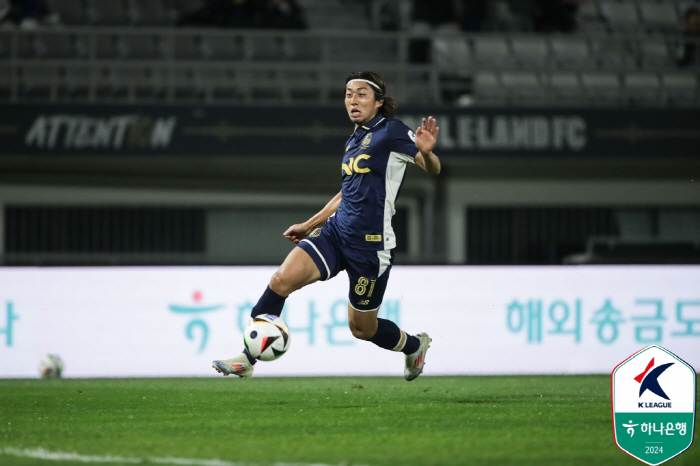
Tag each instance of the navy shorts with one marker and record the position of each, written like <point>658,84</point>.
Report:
<point>368,270</point>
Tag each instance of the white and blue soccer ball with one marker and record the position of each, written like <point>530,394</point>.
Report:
<point>51,367</point>
<point>267,337</point>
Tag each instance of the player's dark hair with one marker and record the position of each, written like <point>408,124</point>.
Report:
<point>388,108</point>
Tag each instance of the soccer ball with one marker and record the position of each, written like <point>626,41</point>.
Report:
<point>267,337</point>
<point>51,367</point>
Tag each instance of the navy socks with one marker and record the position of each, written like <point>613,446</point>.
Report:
<point>269,303</point>
<point>390,336</point>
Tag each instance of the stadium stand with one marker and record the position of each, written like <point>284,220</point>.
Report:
<point>615,39</point>
<point>623,53</point>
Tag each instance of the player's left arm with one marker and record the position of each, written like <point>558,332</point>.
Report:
<point>426,136</point>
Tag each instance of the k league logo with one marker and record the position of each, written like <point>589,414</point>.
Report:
<point>653,401</point>
<point>651,382</point>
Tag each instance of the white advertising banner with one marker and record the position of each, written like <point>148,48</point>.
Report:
<point>173,321</point>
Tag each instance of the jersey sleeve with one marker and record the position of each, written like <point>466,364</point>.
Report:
<point>402,140</point>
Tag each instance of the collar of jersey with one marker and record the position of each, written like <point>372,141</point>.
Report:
<point>371,123</point>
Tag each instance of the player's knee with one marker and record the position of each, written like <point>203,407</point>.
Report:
<point>280,284</point>
<point>362,332</point>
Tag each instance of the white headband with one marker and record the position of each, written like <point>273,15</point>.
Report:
<point>367,81</point>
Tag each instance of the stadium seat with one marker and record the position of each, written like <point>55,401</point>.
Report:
<point>125,83</point>
<point>106,46</point>
<point>264,85</point>
<point>602,88</point>
<point>642,88</point>
<point>566,88</point>
<point>622,16</point>
<point>335,15</point>
<point>589,19</point>
<point>571,53</point>
<point>488,89</point>
<point>523,87</point>
<point>183,6</point>
<point>613,54</point>
<point>57,45</point>
<point>660,16</point>
<point>108,12</point>
<point>266,48</point>
<point>185,47</point>
<point>451,52</point>
<point>76,82</point>
<point>531,52</point>
<point>219,84</point>
<point>303,48</point>
<point>382,51</point>
<point>504,16</point>
<point>492,52</point>
<point>152,13</point>
<point>138,82</point>
<point>71,12</point>
<point>680,88</point>
<point>301,86</point>
<point>654,54</point>
<point>338,51</point>
<point>185,85</point>
<point>102,83</point>
<point>139,46</point>
<point>223,47</point>
<point>39,82</point>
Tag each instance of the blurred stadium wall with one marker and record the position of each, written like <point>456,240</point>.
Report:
<point>127,139</point>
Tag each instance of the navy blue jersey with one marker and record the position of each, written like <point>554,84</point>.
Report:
<point>373,170</point>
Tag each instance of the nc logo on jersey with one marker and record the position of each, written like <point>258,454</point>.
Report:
<point>366,141</point>
<point>653,401</point>
<point>356,165</point>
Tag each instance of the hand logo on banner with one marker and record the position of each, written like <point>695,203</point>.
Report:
<point>196,323</point>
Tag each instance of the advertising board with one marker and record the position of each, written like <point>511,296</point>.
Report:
<point>173,321</point>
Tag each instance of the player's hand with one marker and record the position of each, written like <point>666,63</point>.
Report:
<point>426,135</point>
<point>296,233</point>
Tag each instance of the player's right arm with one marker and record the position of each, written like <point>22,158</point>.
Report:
<point>299,231</point>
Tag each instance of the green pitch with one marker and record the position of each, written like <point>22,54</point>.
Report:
<point>377,421</point>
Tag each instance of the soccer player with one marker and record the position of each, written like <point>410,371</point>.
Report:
<point>353,231</point>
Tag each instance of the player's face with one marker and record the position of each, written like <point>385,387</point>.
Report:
<point>360,102</point>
